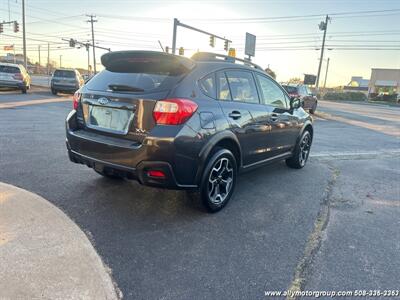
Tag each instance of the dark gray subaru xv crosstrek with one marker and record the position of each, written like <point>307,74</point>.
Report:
<point>173,122</point>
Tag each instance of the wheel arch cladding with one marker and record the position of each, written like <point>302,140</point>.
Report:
<point>224,139</point>
<point>309,128</point>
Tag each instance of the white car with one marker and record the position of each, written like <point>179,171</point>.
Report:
<point>14,76</point>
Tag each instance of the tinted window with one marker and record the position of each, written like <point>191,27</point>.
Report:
<point>140,81</point>
<point>64,73</point>
<point>207,84</point>
<point>223,87</point>
<point>271,93</point>
<point>242,86</point>
<point>290,89</point>
<point>9,69</point>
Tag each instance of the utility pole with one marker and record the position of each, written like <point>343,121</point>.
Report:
<point>48,58</point>
<point>326,73</point>
<point>92,20</point>
<point>88,58</point>
<point>60,61</point>
<point>322,26</point>
<point>39,54</point>
<point>24,33</point>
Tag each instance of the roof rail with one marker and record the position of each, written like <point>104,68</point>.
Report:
<point>209,56</point>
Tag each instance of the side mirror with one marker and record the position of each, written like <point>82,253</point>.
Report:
<point>295,103</point>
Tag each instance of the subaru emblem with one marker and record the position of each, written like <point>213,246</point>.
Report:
<point>103,101</point>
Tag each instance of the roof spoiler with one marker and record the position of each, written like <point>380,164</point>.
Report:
<point>146,62</point>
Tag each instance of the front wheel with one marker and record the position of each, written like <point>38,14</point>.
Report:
<point>313,109</point>
<point>219,180</point>
<point>54,92</point>
<point>23,90</point>
<point>301,152</point>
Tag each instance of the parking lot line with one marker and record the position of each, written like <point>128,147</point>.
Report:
<point>32,102</point>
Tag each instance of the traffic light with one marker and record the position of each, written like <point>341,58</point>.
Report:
<point>1,27</point>
<point>166,49</point>
<point>16,26</point>
<point>181,51</point>
<point>212,41</point>
<point>232,52</point>
<point>72,43</point>
<point>226,45</point>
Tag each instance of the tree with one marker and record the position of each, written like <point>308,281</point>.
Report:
<point>295,80</point>
<point>270,72</point>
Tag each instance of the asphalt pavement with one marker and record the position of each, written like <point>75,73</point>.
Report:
<point>283,228</point>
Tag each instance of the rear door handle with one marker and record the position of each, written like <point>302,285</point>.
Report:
<point>274,117</point>
<point>235,115</point>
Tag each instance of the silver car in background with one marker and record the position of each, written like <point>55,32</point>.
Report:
<point>14,76</point>
<point>66,80</point>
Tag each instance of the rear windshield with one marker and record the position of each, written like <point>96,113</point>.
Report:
<point>142,82</point>
<point>9,69</point>
<point>290,89</point>
<point>64,73</point>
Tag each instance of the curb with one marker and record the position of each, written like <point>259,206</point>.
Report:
<point>45,254</point>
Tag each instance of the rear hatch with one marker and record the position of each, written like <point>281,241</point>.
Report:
<point>65,78</point>
<point>119,101</point>
<point>10,73</point>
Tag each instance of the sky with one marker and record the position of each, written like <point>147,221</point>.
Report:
<point>288,37</point>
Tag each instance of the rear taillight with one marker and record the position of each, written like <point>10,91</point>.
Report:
<point>18,76</point>
<point>75,99</point>
<point>173,111</point>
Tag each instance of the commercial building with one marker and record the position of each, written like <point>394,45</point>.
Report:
<point>384,82</point>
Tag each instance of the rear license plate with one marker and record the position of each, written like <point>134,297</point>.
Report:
<point>112,119</point>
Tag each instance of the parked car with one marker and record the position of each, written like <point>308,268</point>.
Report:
<point>66,80</point>
<point>173,122</point>
<point>14,76</point>
<point>301,91</point>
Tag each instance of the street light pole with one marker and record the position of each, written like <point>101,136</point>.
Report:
<point>326,73</point>
<point>323,26</point>
<point>60,61</point>
<point>24,33</point>
<point>176,22</point>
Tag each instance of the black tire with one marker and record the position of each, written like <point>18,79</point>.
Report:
<point>313,109</point>
<point>54,92</point>
<point>301,151</point>
<point>109,175</point>
<point>23,90</point>
<point>221,169</point>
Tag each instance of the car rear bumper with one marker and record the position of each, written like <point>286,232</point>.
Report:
<point>125,158</point>
<point>12,84</point>
<point>65,88</point>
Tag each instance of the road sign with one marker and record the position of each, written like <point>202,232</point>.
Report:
<point>309,79</point>
<point>250,48</point>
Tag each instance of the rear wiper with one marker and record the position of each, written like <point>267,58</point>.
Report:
<point>124,88</point>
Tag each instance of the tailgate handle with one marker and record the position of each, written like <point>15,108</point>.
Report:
<point>111,104</point>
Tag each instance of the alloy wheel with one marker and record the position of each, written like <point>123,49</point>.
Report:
<point>305,146</point>
<point>220,181</point>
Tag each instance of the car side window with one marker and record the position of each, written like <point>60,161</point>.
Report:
<point>242,86</point>
<point>271,93</point>
<point>223,87</point>
<point>207,85</point>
